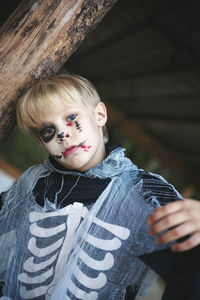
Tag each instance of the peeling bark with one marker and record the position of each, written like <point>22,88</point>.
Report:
<point>36,41</point>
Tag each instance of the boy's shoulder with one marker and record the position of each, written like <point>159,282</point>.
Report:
<point>34,171</point>
<point>28,178</point>
<point>156,189</point>
<point>21,187</point>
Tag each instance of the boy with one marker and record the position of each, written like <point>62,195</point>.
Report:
<point>75,227</point>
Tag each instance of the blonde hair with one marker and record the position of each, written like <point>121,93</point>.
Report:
<point>41,98</point>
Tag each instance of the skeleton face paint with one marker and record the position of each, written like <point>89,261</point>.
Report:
<point>78,126</point>
<point>47,132</point>
<point>86,148</point>
<point>61,135</point>
<point>72,135</point>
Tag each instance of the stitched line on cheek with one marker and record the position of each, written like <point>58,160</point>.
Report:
<point>78,126</point>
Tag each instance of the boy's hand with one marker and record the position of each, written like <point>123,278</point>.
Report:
<point>183,217</point>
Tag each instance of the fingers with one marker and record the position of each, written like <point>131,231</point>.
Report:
<point>177,220</point>
<point>174,214</point>
<point>177,233</point>
<point>170,208</point>
<point>191,242</point>
<point>168,222</point>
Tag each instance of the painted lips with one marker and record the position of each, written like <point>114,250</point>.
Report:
<point>70,150</point>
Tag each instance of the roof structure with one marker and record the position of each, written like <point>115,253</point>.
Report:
<point>144,59</point>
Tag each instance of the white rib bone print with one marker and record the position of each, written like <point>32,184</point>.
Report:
<point>73,214</point>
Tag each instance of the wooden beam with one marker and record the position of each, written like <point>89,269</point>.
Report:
<point>36,41</point>
<point>10,170</point>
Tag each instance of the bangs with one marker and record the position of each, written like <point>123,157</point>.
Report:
<point>43,97</point>
<point>34,111</point>
<point>40,109</point>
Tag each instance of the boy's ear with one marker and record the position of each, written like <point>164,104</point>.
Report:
<point>101,114</point>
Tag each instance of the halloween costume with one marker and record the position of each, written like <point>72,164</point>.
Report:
<point>89,250</point>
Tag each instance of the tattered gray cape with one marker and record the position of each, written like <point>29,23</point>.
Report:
<point>76,252</point>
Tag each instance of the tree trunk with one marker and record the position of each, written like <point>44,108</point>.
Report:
<point>36,41</point>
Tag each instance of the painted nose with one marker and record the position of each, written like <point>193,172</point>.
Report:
<point>62,135</point>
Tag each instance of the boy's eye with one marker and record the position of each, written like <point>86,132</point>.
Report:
<point>72,117</point>
<point>47,133</point>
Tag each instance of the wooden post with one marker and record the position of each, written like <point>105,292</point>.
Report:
<point>10,170</point>
<point>36,41</point>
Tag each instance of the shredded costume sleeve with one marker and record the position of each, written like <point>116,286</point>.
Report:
<point>181,271</point>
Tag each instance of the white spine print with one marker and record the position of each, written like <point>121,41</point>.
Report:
<point>58,249</point>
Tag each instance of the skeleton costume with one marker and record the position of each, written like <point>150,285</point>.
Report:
<point>83,249</point>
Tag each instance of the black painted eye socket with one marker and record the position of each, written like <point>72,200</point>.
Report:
<point>72,117</point>
<point>47,133</point>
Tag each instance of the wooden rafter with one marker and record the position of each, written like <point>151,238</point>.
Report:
<point>10,170</point>
<point>127,32</point>
<point>133,131</point>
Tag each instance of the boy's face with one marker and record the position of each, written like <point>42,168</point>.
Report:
<point>72,134</point>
